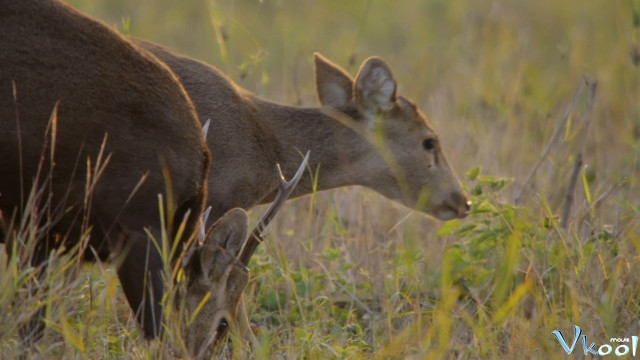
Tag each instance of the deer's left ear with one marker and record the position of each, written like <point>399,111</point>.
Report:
<point>333,84</point>
<point>375,87</point>
<point>227,235</point>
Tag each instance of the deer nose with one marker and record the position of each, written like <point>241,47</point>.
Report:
<point>466,208</point>
<point>464,204</point>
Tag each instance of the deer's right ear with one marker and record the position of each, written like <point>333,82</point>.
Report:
<point>228,233</point>
<point>333,84</point>
<point>375,86</point>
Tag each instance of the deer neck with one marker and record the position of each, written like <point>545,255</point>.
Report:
<point>336,149</point>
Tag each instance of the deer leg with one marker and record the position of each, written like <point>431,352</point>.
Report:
<point>141,277</point>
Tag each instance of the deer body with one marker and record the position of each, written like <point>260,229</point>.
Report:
<point>248,134</point>
<point>98,87</point>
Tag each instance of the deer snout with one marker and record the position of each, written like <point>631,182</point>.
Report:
<point>455,205</point>
<point>461,203</point>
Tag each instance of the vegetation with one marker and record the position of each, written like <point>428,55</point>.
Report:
<point>511,86</point>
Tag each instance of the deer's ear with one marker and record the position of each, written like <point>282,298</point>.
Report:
<point>227,234</point>
<point>375,87</point>
<point>333,84</point>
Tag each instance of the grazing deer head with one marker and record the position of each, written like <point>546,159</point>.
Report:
<point>217,273</point>
<point>215,282</point>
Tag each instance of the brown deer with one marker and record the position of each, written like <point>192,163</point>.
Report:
<point>98,140</point>
<point>363,135</point>
<point>68,85</point>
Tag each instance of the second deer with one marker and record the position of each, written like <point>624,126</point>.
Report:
<point>364,134</point>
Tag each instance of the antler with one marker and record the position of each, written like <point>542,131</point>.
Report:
<point>285,189</point>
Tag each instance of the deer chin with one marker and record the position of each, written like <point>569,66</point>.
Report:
<point>444,212</point>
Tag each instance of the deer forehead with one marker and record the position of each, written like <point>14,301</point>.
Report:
<point>221,263</point>
<point>226,281</point>
<point>407,118</point>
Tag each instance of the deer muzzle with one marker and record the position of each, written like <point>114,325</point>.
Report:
<point>456,205</point>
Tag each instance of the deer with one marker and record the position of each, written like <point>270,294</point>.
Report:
<point>103,151</point>
<point>363,134</point>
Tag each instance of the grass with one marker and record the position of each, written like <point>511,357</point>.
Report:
<point>347,274</point>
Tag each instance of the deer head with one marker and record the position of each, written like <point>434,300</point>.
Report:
<point>217,273</point>
<point>403,155</point>
<point>215,282</point>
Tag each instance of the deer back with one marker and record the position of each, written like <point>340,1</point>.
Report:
<point>100,88</point>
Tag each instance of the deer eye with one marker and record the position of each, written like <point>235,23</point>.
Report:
<point>222,327</point>
<point>429,144</point>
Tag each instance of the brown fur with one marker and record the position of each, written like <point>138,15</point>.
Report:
<point>103,85</point>
<point>248,135</point>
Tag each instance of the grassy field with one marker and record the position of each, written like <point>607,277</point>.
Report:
<point>511,86</point>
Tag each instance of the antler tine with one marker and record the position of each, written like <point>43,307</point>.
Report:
<point>205,128</point>
<point>285,189</point>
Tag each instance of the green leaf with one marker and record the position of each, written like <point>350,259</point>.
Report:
<point>449,227</point>
<point>585,183</point>
<point>473,173</point>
